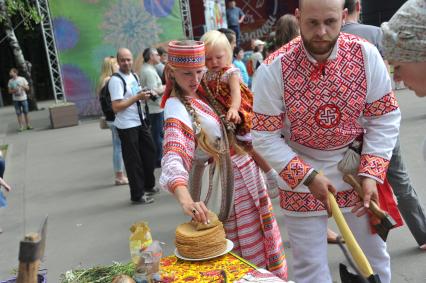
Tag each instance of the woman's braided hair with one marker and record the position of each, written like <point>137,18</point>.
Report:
<point>202,139</point>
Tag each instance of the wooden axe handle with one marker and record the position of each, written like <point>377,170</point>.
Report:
<point>348,178</point>
<point>353,246</point>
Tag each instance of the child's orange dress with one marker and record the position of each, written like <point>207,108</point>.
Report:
<point>218,83</point>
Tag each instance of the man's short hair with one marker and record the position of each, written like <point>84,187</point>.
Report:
<point>301,2</point>
<point>350,5</point>
<point>147,53</point>
<point>229,33</point>
<point>161,51</point>
<point>14,70</point>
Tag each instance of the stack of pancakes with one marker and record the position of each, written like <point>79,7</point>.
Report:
<point>197,241</point>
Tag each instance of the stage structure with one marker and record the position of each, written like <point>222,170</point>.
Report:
<point>185,10</point>
<point>51,51</point>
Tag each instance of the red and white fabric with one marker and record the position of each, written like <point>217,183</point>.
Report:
<point>252,225</point>
<point>320,109</point>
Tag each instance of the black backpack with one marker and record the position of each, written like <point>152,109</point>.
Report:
<point>105,97</point>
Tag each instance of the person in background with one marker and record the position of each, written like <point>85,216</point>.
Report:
<point>151,80</point>
<point>234,17</point>
<point>136,141</point>
<point>160,66</point>
<point>109,67</point>
<point>404,46</point>
<point>230,35</point>
<point>286,29</point>
<point>18,87</point>
<point>238,62</point>
<point>2,165</point>
<point>4,188</point>
<point>194,136</point>
<point>257,56</point>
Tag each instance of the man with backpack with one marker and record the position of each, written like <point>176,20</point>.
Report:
<point>136,140</point>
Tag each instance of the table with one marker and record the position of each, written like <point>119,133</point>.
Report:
<point>236,269</point>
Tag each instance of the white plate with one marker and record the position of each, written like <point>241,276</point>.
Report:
<point>229,247</point>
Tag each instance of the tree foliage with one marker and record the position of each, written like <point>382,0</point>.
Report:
<point>26,10</point>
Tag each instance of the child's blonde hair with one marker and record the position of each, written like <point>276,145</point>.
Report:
<point>215,39</point>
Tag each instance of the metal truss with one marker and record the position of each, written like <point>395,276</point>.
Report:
<point>51,50</point>
<point>185,11</point>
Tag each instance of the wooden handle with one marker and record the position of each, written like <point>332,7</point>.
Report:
<point>355,250</point>
<point>374,208</point>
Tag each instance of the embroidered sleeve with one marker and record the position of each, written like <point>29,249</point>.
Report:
<point>381,118</point>
<point>373,166</point>
<point>268,125</point>
<point>295,172</point>
<point>231,71</point>
<point>178,153</point>
<point>380,107</point>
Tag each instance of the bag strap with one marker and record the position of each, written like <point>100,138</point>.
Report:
<point>138,103</point>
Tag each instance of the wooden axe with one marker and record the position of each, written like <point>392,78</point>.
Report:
<point>353,247</point>
<point>31,251</point>
<point>386,221</point>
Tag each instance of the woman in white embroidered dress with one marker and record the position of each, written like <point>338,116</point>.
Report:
<point>194,136</point>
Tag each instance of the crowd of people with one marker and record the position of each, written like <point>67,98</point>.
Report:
<point>231,130</point>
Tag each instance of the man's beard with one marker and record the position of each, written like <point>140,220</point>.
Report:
<point>319,50</point>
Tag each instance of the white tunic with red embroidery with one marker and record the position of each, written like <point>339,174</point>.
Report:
<point>306,115</point>
<point>251,226</point>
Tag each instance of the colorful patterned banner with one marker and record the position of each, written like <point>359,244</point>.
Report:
<point>86,31</point>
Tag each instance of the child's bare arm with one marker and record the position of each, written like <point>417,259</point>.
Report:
<point>234,85</point>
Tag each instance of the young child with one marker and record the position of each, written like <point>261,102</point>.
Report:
<point>234,97</point>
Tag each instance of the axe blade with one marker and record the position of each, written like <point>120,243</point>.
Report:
<point>348,277</point>
<point>385,225</point>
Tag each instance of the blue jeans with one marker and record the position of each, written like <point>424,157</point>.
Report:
<point>117,157</point>
<point>408,202</point>
<point>21,107</point>
<point>157,122</point>
<point>2,167</point>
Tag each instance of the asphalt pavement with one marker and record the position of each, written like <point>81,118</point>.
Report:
<point>67,174</point>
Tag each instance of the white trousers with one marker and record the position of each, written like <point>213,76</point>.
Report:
<point>308,240</point>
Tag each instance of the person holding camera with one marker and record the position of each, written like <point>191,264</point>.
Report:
<point>136,141</point>
<point>152,81</point>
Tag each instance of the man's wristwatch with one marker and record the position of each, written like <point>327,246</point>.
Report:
<point>310,178</point>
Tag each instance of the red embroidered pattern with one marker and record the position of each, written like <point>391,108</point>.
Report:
<point>382,106</point>
<point>294,172</point>
<point>202,106</point>
<point>267,123</point>
<point>323,110</point>
<point>305,202</point>
<point>328,116</point>
<point>374,166</point>
<point>283,49</point>
<point>179,138</point>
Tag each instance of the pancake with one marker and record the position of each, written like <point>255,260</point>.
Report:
<point>195,241</point>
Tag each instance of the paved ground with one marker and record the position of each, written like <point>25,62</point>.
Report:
<point>67,174</point>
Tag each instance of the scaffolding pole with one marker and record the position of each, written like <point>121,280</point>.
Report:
<point>51,50</point>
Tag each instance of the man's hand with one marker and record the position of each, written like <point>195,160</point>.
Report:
<point>143,95</point>
<point>319,187</point>
<point>369,187</point>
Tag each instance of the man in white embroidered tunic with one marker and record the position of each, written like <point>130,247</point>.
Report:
<point>312,98</point>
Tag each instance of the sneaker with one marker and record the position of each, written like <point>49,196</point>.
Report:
<point>145,199</point>
<point>21,129</point>
<point>29,127</point>
<point>152,191</point>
